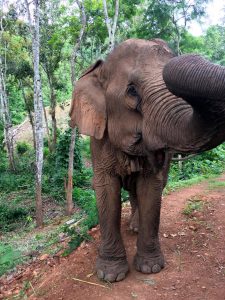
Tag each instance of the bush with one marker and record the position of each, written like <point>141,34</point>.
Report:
<point>22,147</point>
<point>85,147</point>
<point>56,166</point>
<point>209,162</point>
<point>85,199</point>
<point>62,151</point>
<point>12,214</point>
<point>9,258</point>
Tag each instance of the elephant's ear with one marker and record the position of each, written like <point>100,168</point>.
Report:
<point>88,107</point>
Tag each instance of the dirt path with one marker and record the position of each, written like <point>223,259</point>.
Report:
<point>194,248</point>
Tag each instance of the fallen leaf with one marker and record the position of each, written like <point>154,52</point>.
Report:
<point>43,256</point>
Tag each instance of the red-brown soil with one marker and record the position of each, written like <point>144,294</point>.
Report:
<point>193,245</point>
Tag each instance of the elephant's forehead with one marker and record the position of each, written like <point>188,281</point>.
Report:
<point>133,47</point>
<point>135,54</point>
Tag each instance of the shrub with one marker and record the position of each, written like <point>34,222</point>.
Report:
<point>9,258</point>
<point>85,199</point>
<point>62,151</point>
<point>56,166</point>
<point>209,162</point>
<point>12,214</point>
<point>22,147</point>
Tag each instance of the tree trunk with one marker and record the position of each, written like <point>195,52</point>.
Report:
<point>6,121</point>
<point>69,187</point>
<point>38,201</point>
<point>38,109</point>
<point>54,124</point>
<point>47,128</point>
<point>77,45</point>
<point>4,110</point>
<point>111,25</point>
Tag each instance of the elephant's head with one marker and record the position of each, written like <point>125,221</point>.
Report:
<point>144,99</point>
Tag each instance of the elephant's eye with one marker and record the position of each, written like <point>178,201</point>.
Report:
<point>131,90</point>
<point>134,99</point>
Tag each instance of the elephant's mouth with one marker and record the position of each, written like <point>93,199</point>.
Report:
<point>135,145</point>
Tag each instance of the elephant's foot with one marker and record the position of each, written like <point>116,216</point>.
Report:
<point>111,270</point>
<point>149,264</point>
<point>134,222</point>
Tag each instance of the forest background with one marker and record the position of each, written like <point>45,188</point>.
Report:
<point>44,47</point>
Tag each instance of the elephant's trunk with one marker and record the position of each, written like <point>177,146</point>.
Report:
<point>199,82</point>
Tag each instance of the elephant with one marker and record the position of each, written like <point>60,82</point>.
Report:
<point>139,106</point>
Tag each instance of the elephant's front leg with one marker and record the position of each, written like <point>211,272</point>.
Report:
<point>149,258</point>
<point>112,263</point>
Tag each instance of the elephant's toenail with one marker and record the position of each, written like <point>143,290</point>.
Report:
<point>146,269</point>
<point>100,274</point>
<point>120,277</point>
<point>110,277</point>
<point>156,269</point>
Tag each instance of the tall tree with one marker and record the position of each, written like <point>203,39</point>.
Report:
<point>168,19</point>
<point>38,107</point>
<point>69,187</point>
<point>4,105</point>
<point>111,23</point>
<point>52,42</point>
<point>214,45</point>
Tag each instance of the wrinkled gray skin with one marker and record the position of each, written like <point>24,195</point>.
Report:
<point>132,108</point>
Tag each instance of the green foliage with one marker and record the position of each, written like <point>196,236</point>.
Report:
<point>85,147</point>
<point>192,205</point>
<point>214,47</point>
<point>17,106</point>
<point>56,166</point>
<point>62,151</point>
<point>22,147</point>
<point>167,19</point>
<point>9,258</point>
<point>191,44</point>
<point>210,162</point>
<point>12,214</point>
<point>214,184</point>
<point>10,182</point>
<point>85,199</point>
<point>124,195</point>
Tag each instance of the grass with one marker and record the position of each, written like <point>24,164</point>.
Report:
<point>9,257</point>
<point>27,241</point>
<point>173,186</point>
<point>192,205</point>
<point>213,184</point>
